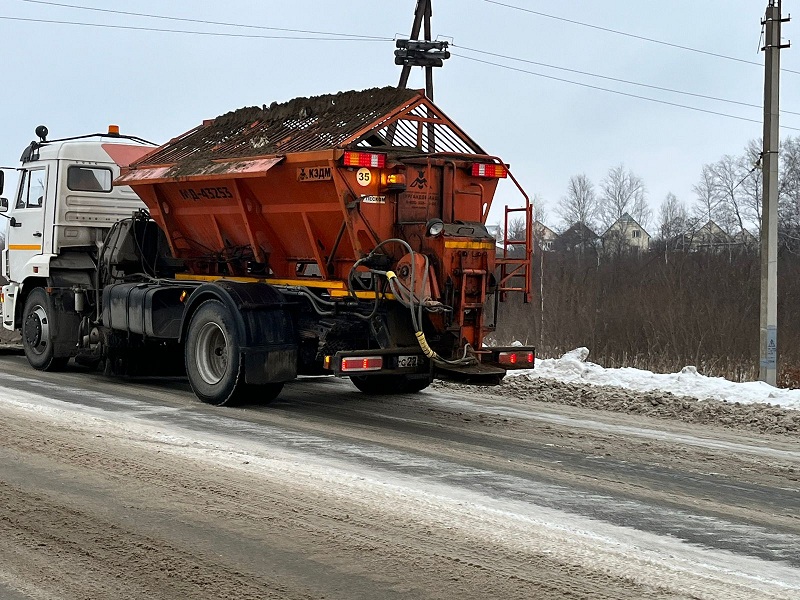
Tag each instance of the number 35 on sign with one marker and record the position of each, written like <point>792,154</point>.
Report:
<point>364,177</point>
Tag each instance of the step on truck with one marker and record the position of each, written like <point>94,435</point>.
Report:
<point>342,234</point>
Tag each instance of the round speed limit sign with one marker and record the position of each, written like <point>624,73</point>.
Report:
<point>364,177</point>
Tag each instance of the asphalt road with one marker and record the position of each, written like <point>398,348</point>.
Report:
<point>132,488</point>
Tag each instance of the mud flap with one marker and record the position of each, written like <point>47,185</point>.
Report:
<point>473,374</point>
<point>270,365</point>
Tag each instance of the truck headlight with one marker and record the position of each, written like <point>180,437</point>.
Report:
<point>434,227</point>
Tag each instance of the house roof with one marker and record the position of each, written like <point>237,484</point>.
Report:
<point>378,118</point>
<point>579,236</point>
<point>580,227</point>
<point>625,218</point>
<point>544,230</point>
<point>745,236</point>
<point>711,233</point>
<point>711,229</point>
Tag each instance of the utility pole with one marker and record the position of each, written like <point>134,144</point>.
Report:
<point>422,17</point>
<point>768,366</point>
<point>415,53</point>
<point>428,38</point>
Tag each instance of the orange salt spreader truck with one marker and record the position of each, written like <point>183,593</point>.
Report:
<point>342,234</point>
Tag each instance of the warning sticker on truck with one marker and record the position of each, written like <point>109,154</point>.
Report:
<point>314,174</point>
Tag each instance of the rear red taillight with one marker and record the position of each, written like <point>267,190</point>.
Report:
<point>515,359</point>
<point>364,159</point>
<point>489,170</point>
<point>355,364</point>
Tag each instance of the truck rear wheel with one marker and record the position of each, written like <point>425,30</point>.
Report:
<point>213,355</point>
<point>38,326</point>
<point>263,393</point>
<point>381,385</point>
<point>412,386</point>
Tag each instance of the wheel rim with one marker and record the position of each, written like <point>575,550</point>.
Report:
<point>37,330</point>
<point>212,353</point>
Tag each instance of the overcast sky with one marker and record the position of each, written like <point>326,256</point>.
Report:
<point>78,79</point>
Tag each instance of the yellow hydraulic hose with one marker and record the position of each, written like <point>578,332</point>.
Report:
<point>423,343</point>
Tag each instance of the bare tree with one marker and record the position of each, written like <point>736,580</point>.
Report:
<point>707,207</point>
<point>730,189</point>
<point>622,202</point>
<point>672,218</point>
<point>623,192</point>
<point>580,203</point>
<point>789,196</point>
<point>729,174</point>
<point>753,183</point>
<point>790,167</point>
<point>516,228</point>
<point>539,222</point>
<point>729,194</point>
<point>539,209</point>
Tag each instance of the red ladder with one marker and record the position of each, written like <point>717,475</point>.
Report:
<point>515,265</point>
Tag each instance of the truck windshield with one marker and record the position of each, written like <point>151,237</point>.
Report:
<point>88,179</point>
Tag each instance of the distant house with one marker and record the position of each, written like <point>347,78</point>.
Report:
<point>712,238</point>
<point>578,238</point>
<point>709,238</point>
<point>512,250</point>
<point>626,234</point>
<point>543,236</point>
<point>745,239</point>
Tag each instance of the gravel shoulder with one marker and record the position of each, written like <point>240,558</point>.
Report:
<point>761,418</point>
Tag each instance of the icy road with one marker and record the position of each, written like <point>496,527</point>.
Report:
<point>132,489</point>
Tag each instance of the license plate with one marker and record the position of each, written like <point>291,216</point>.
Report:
<point>408,361</point>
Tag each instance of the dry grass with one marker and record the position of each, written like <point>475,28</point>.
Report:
<point>789,378</point>
<point>644,312</point>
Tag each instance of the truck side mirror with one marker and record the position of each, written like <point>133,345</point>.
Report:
<point>3,205</point>
<point>2,181</point>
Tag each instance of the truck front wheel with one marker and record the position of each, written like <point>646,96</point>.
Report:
<point>38,327</point>
<point>213,355</point>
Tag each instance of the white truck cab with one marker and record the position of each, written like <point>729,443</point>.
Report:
<point>63,207</point>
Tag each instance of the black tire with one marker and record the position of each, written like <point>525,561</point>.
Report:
<point>260,394</point>
<point>383,385</point>
<point>375,385</point>
<point>38,323</point>
<point>213,356</point>
<point>412,386</point>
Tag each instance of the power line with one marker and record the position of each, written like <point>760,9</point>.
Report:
<point>355,37</point>
<point>190,32</point>
<point>202,21</point>
<point>632,35</point>
<point>595,87</point>
<point>360,37</point>
<point>608,78</point>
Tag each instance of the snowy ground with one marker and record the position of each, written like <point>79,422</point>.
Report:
<point>574,368</point>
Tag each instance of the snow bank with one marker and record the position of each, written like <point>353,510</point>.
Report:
<point>573,367</point>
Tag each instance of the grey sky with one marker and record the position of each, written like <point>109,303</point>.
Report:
<point>77,80</point>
